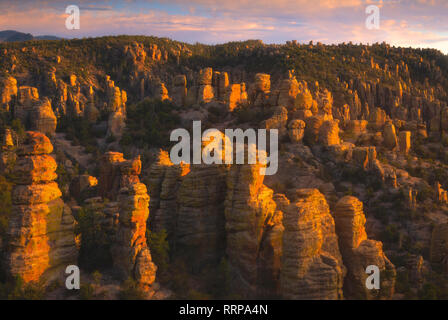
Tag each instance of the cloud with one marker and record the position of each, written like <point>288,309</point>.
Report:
<point>419,23</point>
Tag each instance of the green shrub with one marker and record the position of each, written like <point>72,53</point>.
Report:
<point>86,292</point>
<point>159,246</point>
<point>95,243</point>
<point>129,290</point>
<point>17,290</point>
<point>149,123</point>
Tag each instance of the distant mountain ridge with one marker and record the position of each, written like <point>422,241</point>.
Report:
<point>13,36</point>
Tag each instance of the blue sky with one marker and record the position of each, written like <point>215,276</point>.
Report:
<point>416,23</point>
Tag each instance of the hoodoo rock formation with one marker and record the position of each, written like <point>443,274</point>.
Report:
<point>364,120</point>
<point>41,230</point>
<point>312,266</point>
<point>358,253</point>
<point>249,205</point>
<point>130,252</point>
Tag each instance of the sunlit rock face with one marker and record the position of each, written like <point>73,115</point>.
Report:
<point>8,92</point>
<point>41,230</point>
<point>130,252</point>
<point>312,265</point>
<point>358,252</point>
<point>249,205</point>
<point>43,118</point>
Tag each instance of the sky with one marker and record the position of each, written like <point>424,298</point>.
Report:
<point>408,23</point>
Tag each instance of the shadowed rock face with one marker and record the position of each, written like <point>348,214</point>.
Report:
<point>358,252</point>
<point>311,264</point>
<point>200,232</point>
<point>41,231</point>
<point>188,202</point>
<point>116,173</point>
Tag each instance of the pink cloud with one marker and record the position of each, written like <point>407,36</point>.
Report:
<point>420,23</point>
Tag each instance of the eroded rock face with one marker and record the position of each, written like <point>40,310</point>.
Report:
<point>235,95</point>
<point>119,180</point>
<point>8,91</point>
<point>163,182</point>
<point>179,92</point>
<point>200,234</point>
<point>303,100</point>
<point>329,133</point>
<point>358,252</point>
<point>205,94</point>
<point>43,118</point>
<point>205,76</point>
<point>439,245</point>
<point>116,173</point>
<point>130,252</point>
<point>390,136</point>
<point>311,264</point>
<point>161,92</point>
<point>278,120</point>
<point>261,89</point>
<point>248,206</point>
<point>41,230</point>
<point>296,130</point>
<point>405,141</point>
<point>289,89</point>
<point>313,125</point>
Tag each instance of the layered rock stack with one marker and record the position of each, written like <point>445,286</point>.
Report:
<point>304,103</point>
<point>116,173</point>
<point>311,264</point>
<point>35,112</point>
<point>248,206</point>
<point>441,194</point>
<point>390,136</point>
<point>359,252</point>
<point>377,118</point>
<point>200,230</point>
<point>163,182</point>
<point>313,125</point>
<point>7,154</point>
<point>262,88</point>
<point>296,130</point>
<point>8,92</point>
<point>41,231</point>
<point>179,92</point>
<point>439,245</point>
<point>405,141</point>
<point>223,85</point>
<point>278,121</point>
<point>130,252</point>
<point>329,133</point>
<point>206,92</point>
<point>161,92</point>
<point>289,88</point>
<point>235,95</point>
<point>43,118</point>
<point>116,105</point>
